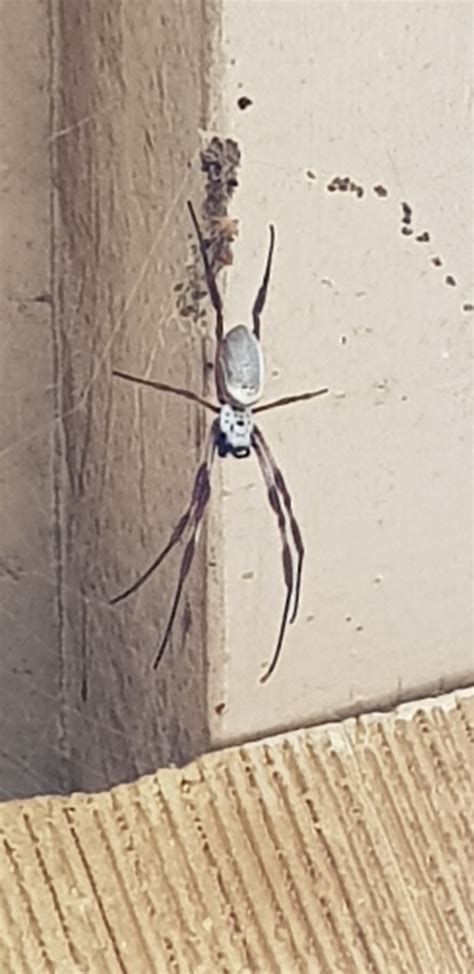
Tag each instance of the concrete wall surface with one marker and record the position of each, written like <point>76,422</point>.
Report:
<point>380,471</point>
<point>100,149</point>
<point>342,112</point>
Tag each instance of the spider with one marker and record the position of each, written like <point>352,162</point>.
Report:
<point>239,373</point>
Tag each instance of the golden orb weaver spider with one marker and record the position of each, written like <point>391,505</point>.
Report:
<point>239,372</point>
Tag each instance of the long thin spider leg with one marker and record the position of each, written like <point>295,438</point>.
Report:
<point>286,551</point>
<point>175,537</point>
<point>210,279</point>
<point>188,554</point>
<point>164,387</point>
<point>287,400</point>
<point>295,530</point>
<point>262,291</point>
<point>200,481</point>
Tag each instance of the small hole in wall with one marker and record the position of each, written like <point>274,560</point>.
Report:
<point>244,102</point>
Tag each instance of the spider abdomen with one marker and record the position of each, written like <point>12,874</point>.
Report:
<point>240,367</point>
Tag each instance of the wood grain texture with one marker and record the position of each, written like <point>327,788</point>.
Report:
<point>342,848</point>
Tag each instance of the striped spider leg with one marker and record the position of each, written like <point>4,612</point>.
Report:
<point>191,519</point>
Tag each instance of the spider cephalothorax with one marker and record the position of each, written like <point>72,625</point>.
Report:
<point>239,383</point>
<point>235,431</point>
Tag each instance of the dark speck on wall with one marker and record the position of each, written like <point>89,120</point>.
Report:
<point>244,102</point>
<point>407,213</point>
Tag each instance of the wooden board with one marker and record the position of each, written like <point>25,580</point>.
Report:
<point>343,848</point>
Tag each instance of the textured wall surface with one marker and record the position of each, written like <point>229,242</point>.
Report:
<point>29,674</point>
<point>100,150</point>
<point>380,470</point>
<point>344,848</point>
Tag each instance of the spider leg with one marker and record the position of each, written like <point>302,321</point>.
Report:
<point>201,498</point>
<point>184,393</point>
<point>296,533</point>
<point>275,504</point>
<point>210,279</point>
<point>262,291</point>
<point>200,486</point>
<point>287,400</point>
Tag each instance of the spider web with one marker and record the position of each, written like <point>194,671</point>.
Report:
<point>182,301</point>
<point>14,572</point>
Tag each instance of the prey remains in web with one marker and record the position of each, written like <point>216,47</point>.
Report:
<point>239,375</point>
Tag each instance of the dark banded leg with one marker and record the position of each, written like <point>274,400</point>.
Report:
<point>275,504</point>
<point>164,387</point>
<point>262,291</point>
<point>201,495</point>
<point>210,279</point>
<point>287,400</point>
<point>295,530</point>
<point>200,490</point>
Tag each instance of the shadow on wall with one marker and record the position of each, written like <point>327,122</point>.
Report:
<point>99,472</point>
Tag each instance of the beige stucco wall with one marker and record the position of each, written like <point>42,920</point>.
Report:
<point>104,110</point>
<point>381,470</point>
